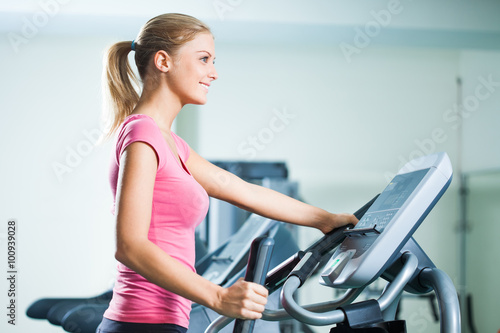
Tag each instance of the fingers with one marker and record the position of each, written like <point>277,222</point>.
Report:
<point>343,219</point>
<point>336,221</point>
<point>259,290</point>
<point>258,299</point>
<point>353,219</point>
<point>244,300</point>
<point>254,296</point>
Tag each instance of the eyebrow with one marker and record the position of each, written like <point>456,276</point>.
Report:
<point>210,54</point>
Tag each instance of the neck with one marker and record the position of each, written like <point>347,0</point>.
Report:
<point>160,104</point>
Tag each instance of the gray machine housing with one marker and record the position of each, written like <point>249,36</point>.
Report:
<point>376,241</point>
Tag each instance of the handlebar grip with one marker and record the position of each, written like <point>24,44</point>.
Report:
<point>257,267</point>
<point>332,239</point>
<point>329,241</point>
<point>277,276</point>
<point>306,266</point>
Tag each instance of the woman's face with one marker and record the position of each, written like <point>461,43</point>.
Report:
<point>193,70</point>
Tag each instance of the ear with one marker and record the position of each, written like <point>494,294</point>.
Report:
<point>162,61</point>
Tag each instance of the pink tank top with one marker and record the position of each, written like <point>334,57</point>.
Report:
<point>179,205</point>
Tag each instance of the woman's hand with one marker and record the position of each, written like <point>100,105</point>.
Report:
<point>335,221</point>
<point>242,300</point>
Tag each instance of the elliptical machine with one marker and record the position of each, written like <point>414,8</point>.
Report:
<point>380,245</point>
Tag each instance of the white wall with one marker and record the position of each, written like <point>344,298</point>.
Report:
<point>482,249</point>
<point>480,71</point>
<point>481,162</point>
<point>333,107</point>
<point>50,94</point>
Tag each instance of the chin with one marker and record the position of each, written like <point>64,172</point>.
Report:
<point>195,103</point>
<point>198,101</point>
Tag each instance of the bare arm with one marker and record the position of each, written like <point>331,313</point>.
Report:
<point>226,186</point>
<point>138,165</point>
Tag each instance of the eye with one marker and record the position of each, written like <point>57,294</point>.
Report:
<point>204,59</point>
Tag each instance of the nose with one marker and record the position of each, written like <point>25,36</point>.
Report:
<point>213,74</point>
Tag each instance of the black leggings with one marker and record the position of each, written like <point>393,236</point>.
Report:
<point>111,326</point>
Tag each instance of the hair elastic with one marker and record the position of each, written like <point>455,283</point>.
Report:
<point>133,45</point>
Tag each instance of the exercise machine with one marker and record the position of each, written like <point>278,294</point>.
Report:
<point>380,245</point>
<point>227,264</point>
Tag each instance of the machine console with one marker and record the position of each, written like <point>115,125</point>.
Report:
<point>389,223</point>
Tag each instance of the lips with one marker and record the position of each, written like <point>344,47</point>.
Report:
<point>205,85</point>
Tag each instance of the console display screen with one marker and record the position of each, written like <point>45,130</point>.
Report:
<point>390,200</point>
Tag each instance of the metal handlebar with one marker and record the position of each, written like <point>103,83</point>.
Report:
<point>218,324</point>
<point>447,298</point>
<point>347,298</point>
<point>257,267</point>
<point>390,294</point>
<point>281,314</point>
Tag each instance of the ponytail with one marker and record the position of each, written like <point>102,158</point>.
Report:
<point>120,94</point>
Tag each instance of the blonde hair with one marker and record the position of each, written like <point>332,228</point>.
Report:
<point>166,32</point>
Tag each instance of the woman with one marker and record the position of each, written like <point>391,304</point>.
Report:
<point>161,186</point>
